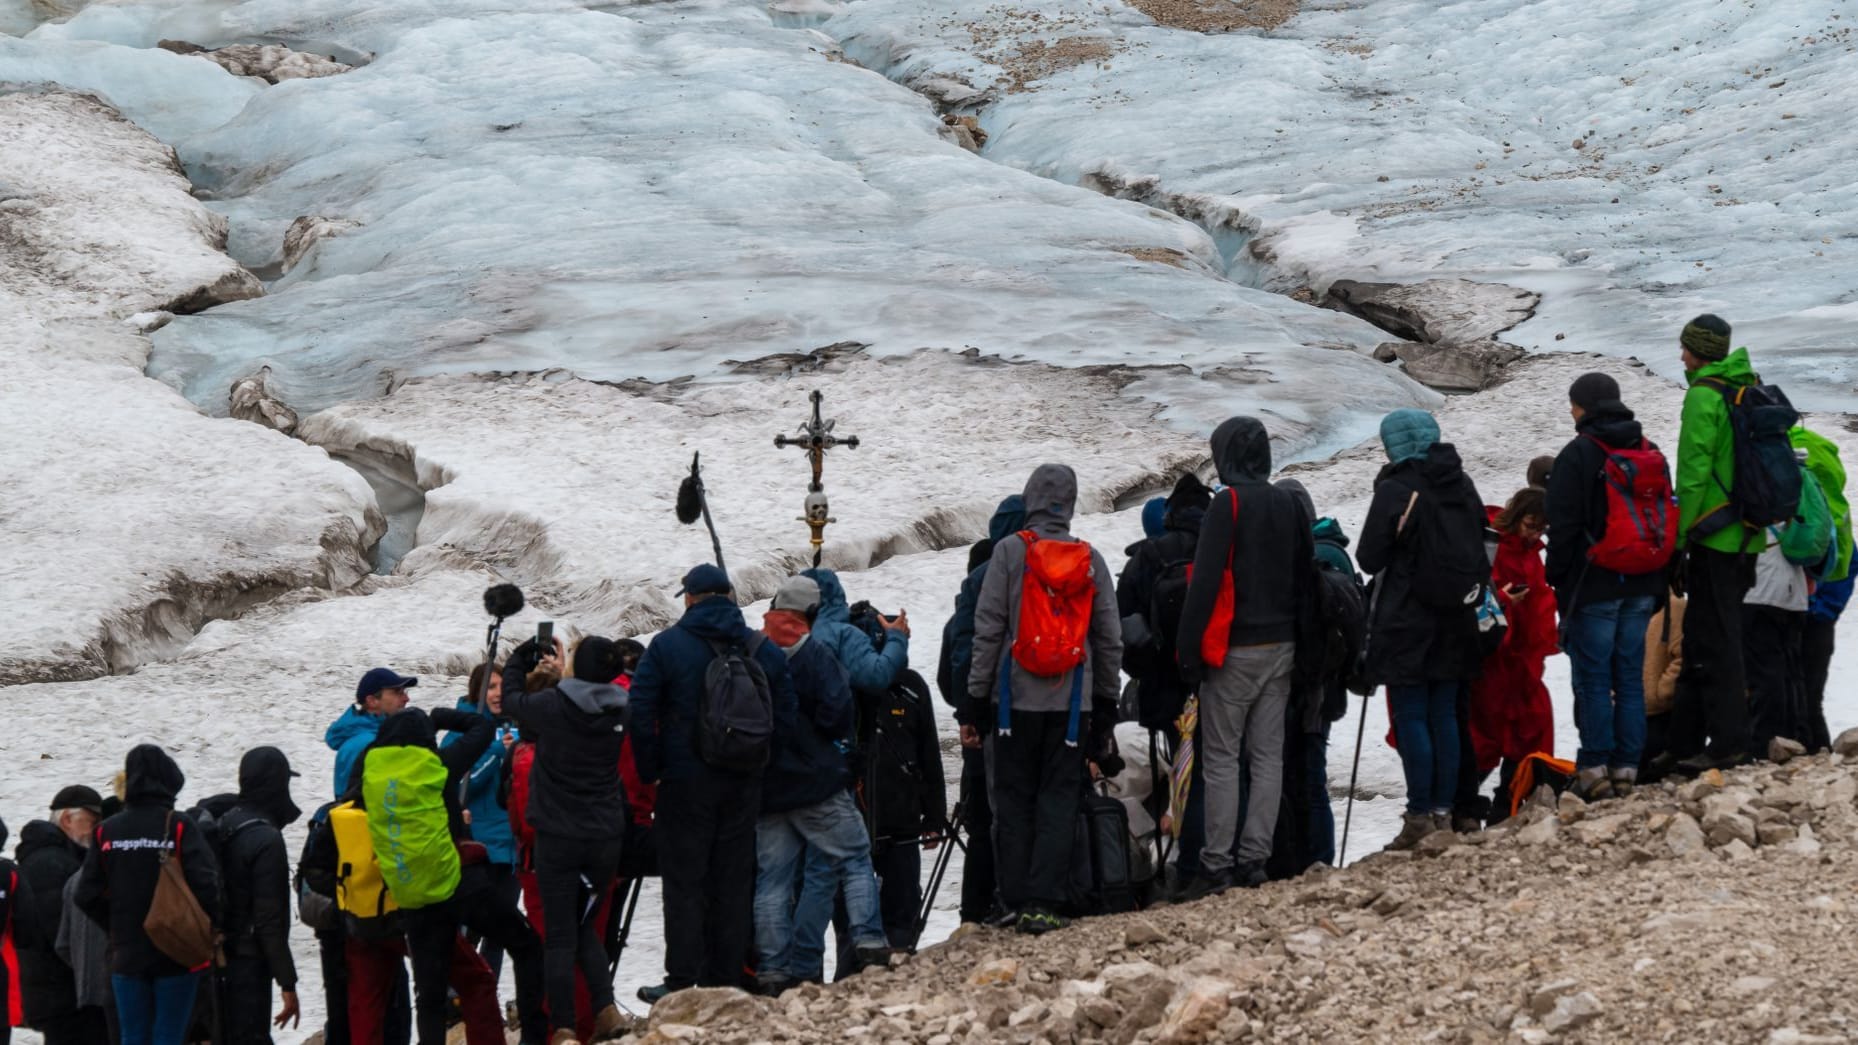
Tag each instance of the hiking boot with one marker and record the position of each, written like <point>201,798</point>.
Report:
<point>1623,777</point>
<point>768,985</point>
<point>608,1023</point>
<point>1466,825</point>
<point>1591,784</point>
<point>875,956</point>
<point>1703,762</point>
<point>1037,922</point>
<point>1413,827</point>
<point>1004,919</point>
<point>1204,885</point>
<point>564,1036</point>
<point>654,994</point>
<point>1249,874</point>
<point>1441,821</point>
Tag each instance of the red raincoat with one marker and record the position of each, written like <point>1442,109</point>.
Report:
<point>1511,714</point>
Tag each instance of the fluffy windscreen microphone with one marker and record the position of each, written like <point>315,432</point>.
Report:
<point>503,600</point>
<point>689,500</point>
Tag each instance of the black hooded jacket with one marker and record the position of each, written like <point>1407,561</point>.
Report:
<point>117,883</point>
<point>579,728</point>
<point>1161,690</point>
<point>1577,513</point>
<point>257,865</point>
<point>1408,643</point>
<point>47,860</point>
<point>1261,529</point>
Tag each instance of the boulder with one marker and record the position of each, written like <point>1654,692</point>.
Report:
<point>1542,832</point>
<point>1600,830</point>
<point>1684,836</point>
<point>1721,828</point>
<point>307,231</point>
<point>994,972</point>
<point>1457,366</point>
<point>1846,743</point>
<point>708,1006</point>
<point>251,400</point>
<point>1195,1010</point>
<point>1570,807</point>
<point>1782,750</point>
<point>1142,931</point>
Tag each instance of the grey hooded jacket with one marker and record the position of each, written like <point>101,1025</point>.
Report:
<point>1051,500</point>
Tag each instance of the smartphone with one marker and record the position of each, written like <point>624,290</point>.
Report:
<point>544,638</point>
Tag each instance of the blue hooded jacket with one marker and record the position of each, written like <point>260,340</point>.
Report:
<point>868,667</point>
<point>669,685</point>
<point>490,821</point>
<point>814,767</point>
<point>348,737</point>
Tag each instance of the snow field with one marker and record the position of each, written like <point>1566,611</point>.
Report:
<point>1637,163</point>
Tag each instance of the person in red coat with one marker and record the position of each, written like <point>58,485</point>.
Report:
<point>1511,714</point>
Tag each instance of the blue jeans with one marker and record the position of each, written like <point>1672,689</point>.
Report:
<point>1425,722</point>
<point>1605,644</point>
<point>829,841</point>
<point>155,1011</point>
<point>1319,831</point>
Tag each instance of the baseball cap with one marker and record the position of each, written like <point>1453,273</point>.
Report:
<point>378,679</point>
<point>706,580</point>
<point>799,594</point>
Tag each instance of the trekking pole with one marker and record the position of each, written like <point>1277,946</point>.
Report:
<point>631,903</point>
<point>1354,774</point>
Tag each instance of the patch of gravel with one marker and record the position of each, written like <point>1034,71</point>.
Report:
<point>1218,16</point>
<point>1717,910</point>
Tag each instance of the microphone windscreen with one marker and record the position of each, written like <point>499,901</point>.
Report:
<point>503,600</point>
<point>689,500</point>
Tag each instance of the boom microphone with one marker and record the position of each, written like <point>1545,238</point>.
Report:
<point>503,600</point>
<point>689,500</point>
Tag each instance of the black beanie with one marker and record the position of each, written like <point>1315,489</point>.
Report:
<point>1707,336</point>
<point>1592,389</point>
<point>598,660</point>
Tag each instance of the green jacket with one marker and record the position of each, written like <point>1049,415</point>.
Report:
<point>1822,459</point>
<point>1706,456</point>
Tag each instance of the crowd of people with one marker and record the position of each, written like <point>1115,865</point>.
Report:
<point>782,779</point>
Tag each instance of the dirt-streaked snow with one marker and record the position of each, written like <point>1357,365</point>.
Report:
<point>130,517</point>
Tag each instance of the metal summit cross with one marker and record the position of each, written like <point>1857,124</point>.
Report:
<point>815,436</point>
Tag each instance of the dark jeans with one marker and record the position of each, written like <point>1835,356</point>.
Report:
<point>1425,722</point>
<point>977,874</point>
<point>1037,790</point>
<point>1306,824</point>
<point>1712,688</point>
<point>441,958</point>
<point>1605,643</point>
<point>247,1001</point>
<point>503,883</point>
<point>573,875</point>
<point>155,1010</point>
<point>1816,645</point>
<point>706,853</point>
<point>1466,802</point>
<point>490,913</point>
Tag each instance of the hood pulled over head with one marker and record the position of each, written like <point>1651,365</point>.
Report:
<point>150,777</point>
<point>1241,451</point>
<point>1051,500</point>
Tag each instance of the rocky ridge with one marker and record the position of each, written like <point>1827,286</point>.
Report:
<point>1715,909</point>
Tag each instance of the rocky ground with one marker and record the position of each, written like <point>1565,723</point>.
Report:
<point>1716,910</point>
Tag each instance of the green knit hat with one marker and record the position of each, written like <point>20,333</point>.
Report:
<point>1707,337</point>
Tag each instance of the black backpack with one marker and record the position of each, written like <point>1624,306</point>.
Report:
<point>1166,600</point>
<point>1767,484</point>
<point>1103,869</point>
<point>1450,566</point>
<point>735,717</point>
<point>1342,629</point>
<point>888,738</point>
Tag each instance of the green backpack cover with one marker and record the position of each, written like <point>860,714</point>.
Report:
<point>404,788</point>
<point>1806,539</point>
<point>1822,462</point>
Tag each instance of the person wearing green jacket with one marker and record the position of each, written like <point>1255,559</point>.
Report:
<point>1712,695</point>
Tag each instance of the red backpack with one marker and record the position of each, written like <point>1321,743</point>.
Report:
<point>1641,513</point>
<point>1055,601</point>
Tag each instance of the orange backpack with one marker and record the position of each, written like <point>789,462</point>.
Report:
<point>1055,601</point>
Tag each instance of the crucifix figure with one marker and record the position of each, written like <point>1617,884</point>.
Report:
<point>815,436</point>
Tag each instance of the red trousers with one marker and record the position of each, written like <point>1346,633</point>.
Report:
<point>371,976</point>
